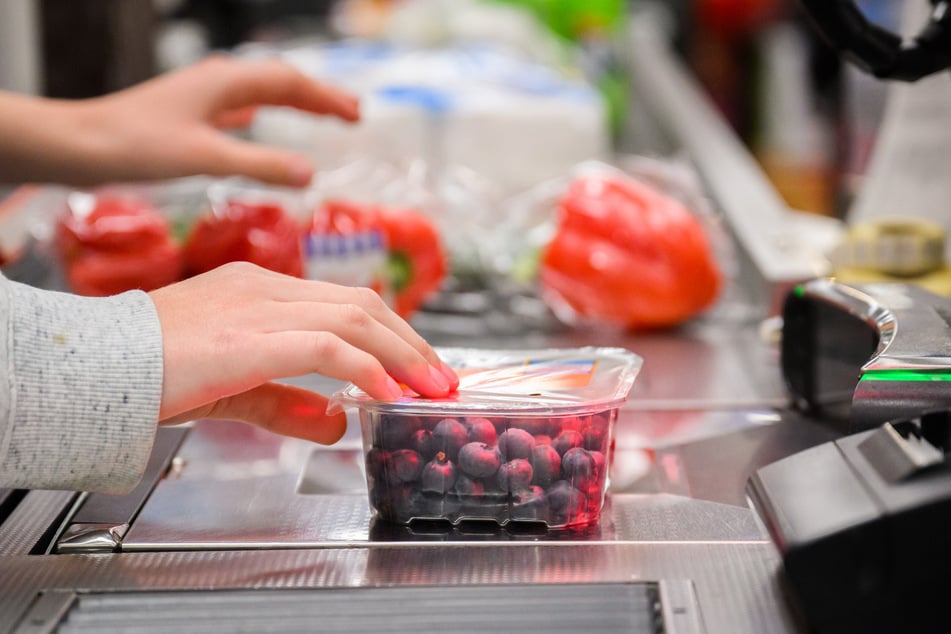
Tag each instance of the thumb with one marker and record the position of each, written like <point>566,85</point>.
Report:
<point>282,409</point>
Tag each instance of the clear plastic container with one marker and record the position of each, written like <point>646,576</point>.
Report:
<point>527,437</point>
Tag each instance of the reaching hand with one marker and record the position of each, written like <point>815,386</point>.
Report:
<point>228,333</point>
<point>167,127</point>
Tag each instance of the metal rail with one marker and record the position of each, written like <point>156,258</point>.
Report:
<point>783,246</point>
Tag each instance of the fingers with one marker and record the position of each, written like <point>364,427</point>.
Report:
<point>240,118</point>
<point>282,409</point>
<point>357,327</point>
<point>171,125</point>
<point>273,82</point>
<point>296,293</point>
<point>295,353</point>
<point>287,289</point>
<point>228,156</point>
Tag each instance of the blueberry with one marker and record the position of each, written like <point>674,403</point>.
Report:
<point>600,464</point>
<point>376,463</point>
<point>422,443</point>
<point>564,499</point>
<point>501,424</point>
<point>479,460</point>
<point>403,465</point>
<point>530,504</point>
<point>577,465</point>
<point>409,505</point>
<point>547,465</point>
<point>568,439</point>
<point>594,437</point>
<point>481,430</point>
<point>493,490</point>
<point>379,497</point>
<point>573,423</point>
<point>399,503</point>
<point>466,487</point>
<point>439,475</point>
<point>516,443</point>
<point>449,436</point>
<point>534,426</point>
<point>515,475</point>
<point>395,431</point>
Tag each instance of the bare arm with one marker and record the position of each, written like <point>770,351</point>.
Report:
<point>167,127</point>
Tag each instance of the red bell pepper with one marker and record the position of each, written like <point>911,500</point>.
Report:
<point>121,244</point>
<point>263,234</point>
<point>628,254</point>
<point>416,261</point>
<point>107,273</point>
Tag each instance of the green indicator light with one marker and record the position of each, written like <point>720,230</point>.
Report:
<point>799,291</point>
<point>907,375</point>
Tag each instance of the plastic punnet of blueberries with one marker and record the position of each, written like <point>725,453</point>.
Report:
<point>527,438</point>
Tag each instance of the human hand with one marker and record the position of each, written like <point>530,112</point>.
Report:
<point>227,334</point>
<point>167,127</point>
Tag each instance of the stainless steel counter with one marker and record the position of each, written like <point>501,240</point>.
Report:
<point>240,508</point>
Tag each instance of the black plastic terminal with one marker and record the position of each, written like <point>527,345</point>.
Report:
<point>878,51</point>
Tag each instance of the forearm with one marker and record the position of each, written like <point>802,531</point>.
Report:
<point>80,387</point>
<point>48,140</point>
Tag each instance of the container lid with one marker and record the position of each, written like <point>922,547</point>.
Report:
<point>519,382</point>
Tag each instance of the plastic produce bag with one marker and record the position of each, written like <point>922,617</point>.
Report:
<point>248,223</point>
<point>109,243</point>
<point>379,235</point>
<point>627,253</point>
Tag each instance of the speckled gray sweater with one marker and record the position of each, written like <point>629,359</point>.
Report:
<point>80,387</point>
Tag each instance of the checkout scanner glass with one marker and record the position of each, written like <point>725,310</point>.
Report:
<point>822,354</point>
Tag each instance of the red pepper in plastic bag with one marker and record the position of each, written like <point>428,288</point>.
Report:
<point>263,234</point>
<point>416,261</point>
<point>118,245</point>
<point>628,254</point>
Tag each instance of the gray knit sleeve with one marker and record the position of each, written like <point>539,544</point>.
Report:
<point>80,387</point>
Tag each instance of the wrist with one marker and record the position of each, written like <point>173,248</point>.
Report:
<point>92,153</point>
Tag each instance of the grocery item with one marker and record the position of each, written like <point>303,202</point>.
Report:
<point>527,437</point>
<point>899,250</point>
<point>415,260</point>
<point>627,253</point>
<point>110,243</point>
<point>480,106</point>
<point>262,233</point>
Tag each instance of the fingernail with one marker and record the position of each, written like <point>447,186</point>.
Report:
<point>301,172</point>
<point>441,382</point>
<point>450,375</point>
<point>393,389</point>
